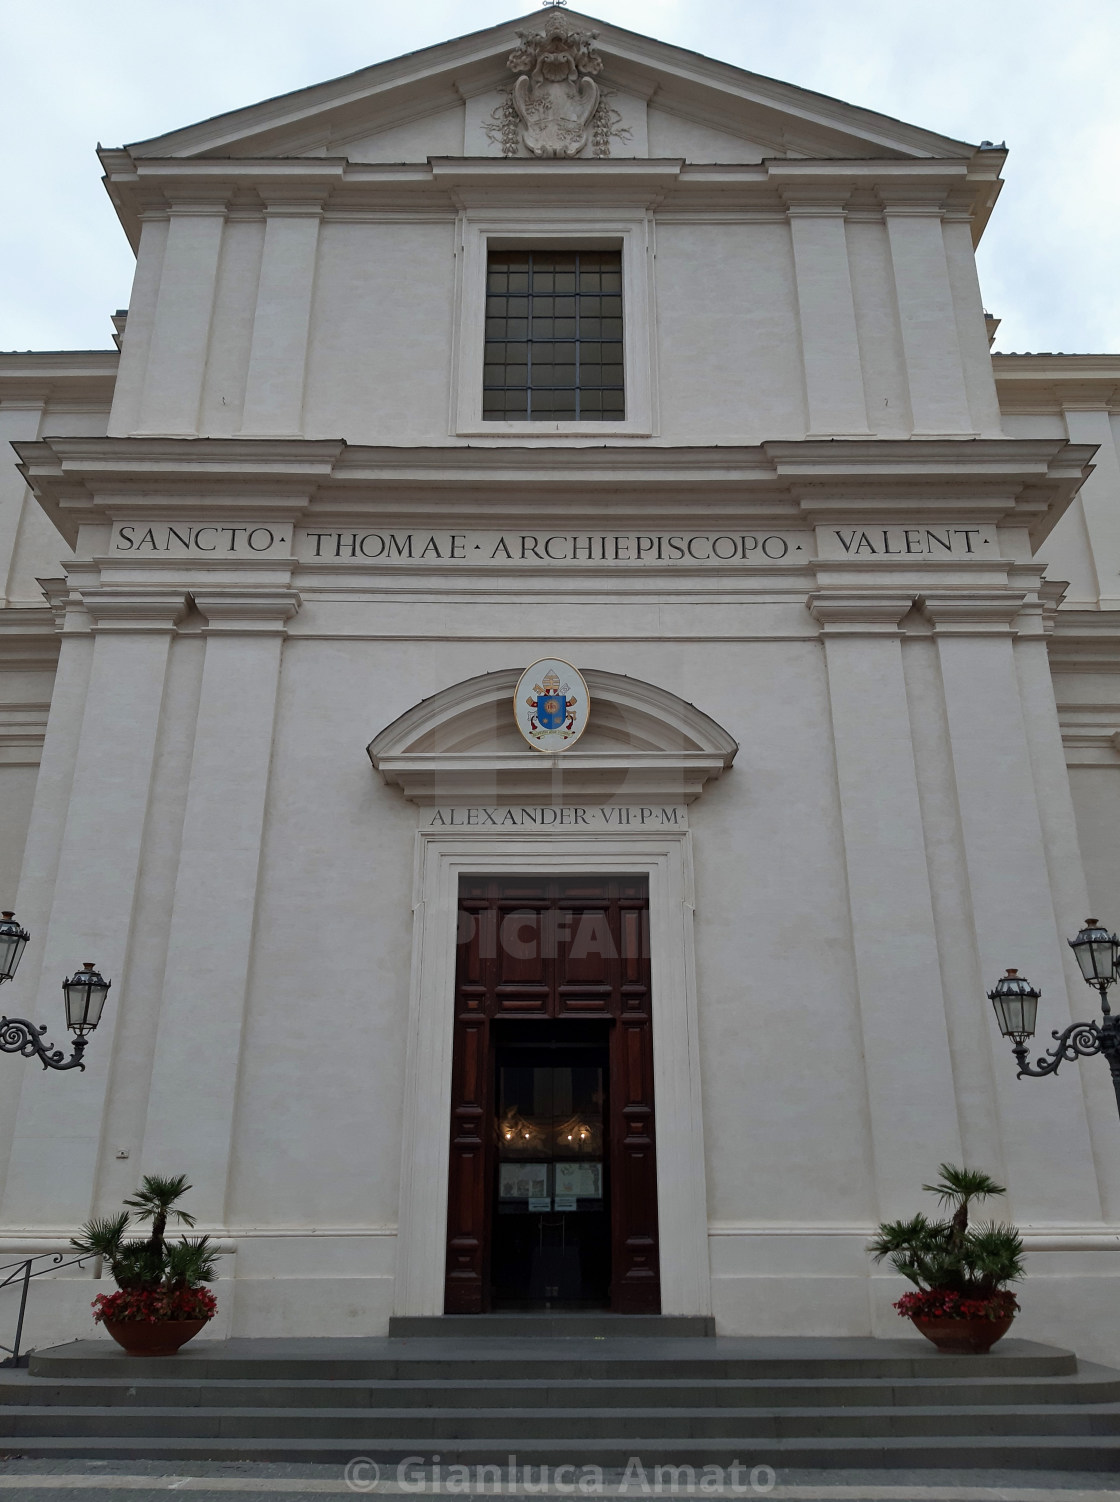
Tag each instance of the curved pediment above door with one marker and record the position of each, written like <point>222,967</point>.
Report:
<point>642,743</point>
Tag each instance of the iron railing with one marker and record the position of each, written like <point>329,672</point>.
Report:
<point>20,1273</point>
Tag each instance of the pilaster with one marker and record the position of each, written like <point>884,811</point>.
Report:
<point>934,370</point>
<point>207,976</point>
<point>829,341</point>
<point>181,328</point>
<point>128,391</point>
<point>901,1000</point>
<point>19,420</point>
<point>962,975</point>
<point>281,321</point>
<point>1013,905</point>
<point>53,1162</point>
<point>1066,872</point>
<point>972,332</point>
<point>1089,422</point>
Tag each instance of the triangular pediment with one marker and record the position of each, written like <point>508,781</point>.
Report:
<point>447,100</point>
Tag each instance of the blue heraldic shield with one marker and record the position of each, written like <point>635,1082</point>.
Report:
<point>552,711</point>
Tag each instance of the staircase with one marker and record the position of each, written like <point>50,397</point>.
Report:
<point>569,1389</point>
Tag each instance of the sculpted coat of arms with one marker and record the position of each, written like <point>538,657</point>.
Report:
<point>555,95</point>
<point>551,705</point>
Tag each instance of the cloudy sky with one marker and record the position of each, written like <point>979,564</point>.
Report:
<point>1039,75</point>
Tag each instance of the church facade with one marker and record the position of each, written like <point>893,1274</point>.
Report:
<point>553,670</point>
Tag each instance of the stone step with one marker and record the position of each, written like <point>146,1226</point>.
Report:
<point>592,1324</point>
<point>569,1399</point>
<point>1082,1452</point>
<point>431,1428</point>
<point>568,1359</point>
<point>1089,1385</point>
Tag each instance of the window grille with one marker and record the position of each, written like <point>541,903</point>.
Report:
<point>553,336</point>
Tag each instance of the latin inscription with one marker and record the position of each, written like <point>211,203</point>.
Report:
<point>546,550</point>
<point>509,817</point>
<point>199,539</point>
<point>549,548</point>
<point>907,542</point>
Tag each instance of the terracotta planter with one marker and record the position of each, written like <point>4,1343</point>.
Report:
<point>161,1339</point>
<point>963,1337</point>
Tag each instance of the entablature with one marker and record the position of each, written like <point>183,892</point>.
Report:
<point>75,379</point>
<point>142,187</point>
<point>1055,384</point>
<point>1010,481</point>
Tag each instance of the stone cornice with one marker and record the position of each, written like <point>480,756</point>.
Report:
<point>844,612</point>
<point>247,611</point>
<point>1037,384</point>
<point>372,97</point>
<point>28,638</point>
<point>972,612</point>
<point>23,728</point>
<point>145,186</point>
<point>85,377</point>
<point>134,610</point>
<point>89,480</point>
<point>1085,641</point>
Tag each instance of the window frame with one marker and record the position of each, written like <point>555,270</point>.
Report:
<point>478,238</point>
<point>577,369</point>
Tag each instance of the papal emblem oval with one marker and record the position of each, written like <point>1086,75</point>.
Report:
<point>551,705</point>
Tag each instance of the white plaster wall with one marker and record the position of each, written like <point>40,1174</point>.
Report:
<point>128,392</point>
<point>673,135</point>
<point>17,791</point>
<point>972,335</point>
<point>1084,547</point>
<point>766,830</point>
<point>39,551</point>
<point>1099,497</point>
<point>227,357</point>
<point>795,1171</point>
<point>1096,802</point>
<point>882,359</point>
<point>333,952</point>
<point>30,547</point>
<point>24,699</point>
<point>373,359</point>
<point>1037,425</point>
<point>379,357</point>
<point>728,356</point>
<point>412,141</point>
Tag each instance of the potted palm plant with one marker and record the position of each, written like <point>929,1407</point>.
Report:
<point>960,1272</point>
<point>160,1302</point>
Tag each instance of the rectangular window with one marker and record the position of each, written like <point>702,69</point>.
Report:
<point>553,336</point>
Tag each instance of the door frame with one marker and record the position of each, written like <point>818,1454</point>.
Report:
<point>665,857</point>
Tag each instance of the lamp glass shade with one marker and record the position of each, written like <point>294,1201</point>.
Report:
<point>85,994</point>
<point>1015,1002</point>
<point>13,941</point>
<point>1095,949</point>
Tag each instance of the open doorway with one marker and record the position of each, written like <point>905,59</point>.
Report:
<point>552,1194</point>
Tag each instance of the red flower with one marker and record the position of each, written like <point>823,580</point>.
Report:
<point>943,1303</point>
<point>153,1305</point>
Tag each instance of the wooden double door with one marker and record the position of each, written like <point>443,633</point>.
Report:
<point>552,1193</point>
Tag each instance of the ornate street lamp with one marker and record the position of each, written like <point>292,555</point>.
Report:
<point>84,995</point>
<point>13,941</point>
<point>1016,1003</point>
